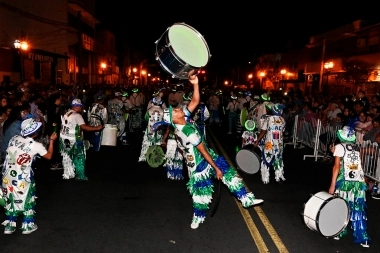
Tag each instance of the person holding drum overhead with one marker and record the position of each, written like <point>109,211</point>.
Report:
<point>202,162</point>
<point>271,143</point>
<point>348,182</point>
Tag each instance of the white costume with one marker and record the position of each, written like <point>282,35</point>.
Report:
<point>150,136</point>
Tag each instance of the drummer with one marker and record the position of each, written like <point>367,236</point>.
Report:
<point>348,182</point>
<point>202,162</point>
<point>249,136</point>
<point>271,143</point>
<point>151,137</point>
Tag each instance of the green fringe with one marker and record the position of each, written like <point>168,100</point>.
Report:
<point>76,153</point>
<point>201,206</point>
<point>32,189</point>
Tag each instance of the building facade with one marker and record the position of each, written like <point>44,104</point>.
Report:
<point>64,45</point>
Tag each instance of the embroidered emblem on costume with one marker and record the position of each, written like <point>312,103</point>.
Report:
<point>23,158</point>
<point>190,157</point>
<point>13,173</point>
<point>5,181</point>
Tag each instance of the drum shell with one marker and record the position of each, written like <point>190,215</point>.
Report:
<point>326,214</point>
<point>170,61</point>
<point>248,159</point>
<point>109,135</point>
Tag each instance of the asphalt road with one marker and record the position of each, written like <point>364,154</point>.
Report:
<point>129,207</point>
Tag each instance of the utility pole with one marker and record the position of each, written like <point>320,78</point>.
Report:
<point>322,64</point>
<point>80,51</point>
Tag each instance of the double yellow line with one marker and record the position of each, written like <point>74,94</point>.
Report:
<point>261,246</point>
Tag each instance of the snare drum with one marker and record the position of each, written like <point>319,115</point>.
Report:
<point>326,214</point>
<point>248,160</point>
<point>181,49</point>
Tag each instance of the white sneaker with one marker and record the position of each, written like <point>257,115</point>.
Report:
<point>30,230</point>
<point>257,201</point>
<point>366,245</point>
<point>194,224</point>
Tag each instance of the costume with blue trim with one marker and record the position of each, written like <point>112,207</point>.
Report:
<point>200,183</point>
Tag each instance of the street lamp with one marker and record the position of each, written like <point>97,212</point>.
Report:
<point>225,82</point>
<point>262,74</point>
<point>103,65</point>
<point>328,66</point>
<point>283,72</point>
<point>21,46</point>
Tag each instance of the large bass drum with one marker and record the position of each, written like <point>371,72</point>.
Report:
<point>181,49</point>
<point>248,160</point>
<point>326,214</point>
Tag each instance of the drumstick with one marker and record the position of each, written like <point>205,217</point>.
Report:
<point>54,127</point>
<point>213,211</point>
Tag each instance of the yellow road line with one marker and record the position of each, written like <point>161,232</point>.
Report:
<point>261,246</point>
<point>271,231</point>
<point>268,226</point>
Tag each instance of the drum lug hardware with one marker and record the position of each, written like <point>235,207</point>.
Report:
<point>168,45</point>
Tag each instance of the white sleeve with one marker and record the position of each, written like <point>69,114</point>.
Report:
<point>194,139</point>
<point>79,119</point>
<point>264,125</point>
<point>207,113</point>
<point>38,148</point>
<point>339,150</point>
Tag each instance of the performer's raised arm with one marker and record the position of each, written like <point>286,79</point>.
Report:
<point>196,96</point>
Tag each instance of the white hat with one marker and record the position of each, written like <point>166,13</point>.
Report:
<point>29,126</point>
<point>76,102</point>
<point>347,134</point>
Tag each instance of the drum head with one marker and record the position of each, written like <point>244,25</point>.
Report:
<point>189,45</point>
<point>155,156</point>
<point>248,161</point>
<point>333,217</point>
<point>243,116</point>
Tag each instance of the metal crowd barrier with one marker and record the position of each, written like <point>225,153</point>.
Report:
<point>318,137</point>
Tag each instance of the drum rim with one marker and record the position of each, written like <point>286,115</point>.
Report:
<point>238,167</point>
<point>319,212</point>
<point>199,36</point>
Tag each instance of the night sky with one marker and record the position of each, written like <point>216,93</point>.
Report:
<point>234,34</point>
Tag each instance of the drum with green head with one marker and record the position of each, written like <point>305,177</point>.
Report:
<point>243,116</point>
<point>155,156</point>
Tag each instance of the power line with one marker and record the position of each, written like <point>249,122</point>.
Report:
<point>30,15</point>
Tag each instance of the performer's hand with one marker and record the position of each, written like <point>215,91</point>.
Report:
<point>53,137</point>
<point>99,128</point>
<point>219,174</point>
<point>332,189</point>
<point>193,78</point>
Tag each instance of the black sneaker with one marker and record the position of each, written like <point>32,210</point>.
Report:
<point>376,196</point>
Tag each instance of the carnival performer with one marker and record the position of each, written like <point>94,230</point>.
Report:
<point>152,137</point>
<point>116,116</point>
<point>71,141</point>
<point>249,136</point>
<point>233,109</point>
<point>138,100</point>
<point>261,109</point>
<point>127,113</point>
<point>271,144</point>
<point>213,104</point>
<point>348,182</point>
<point>18,185</point>
<point>173,156</point>
<point>97,114</point>
<point>202,162</point>
<point>200,115</point>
